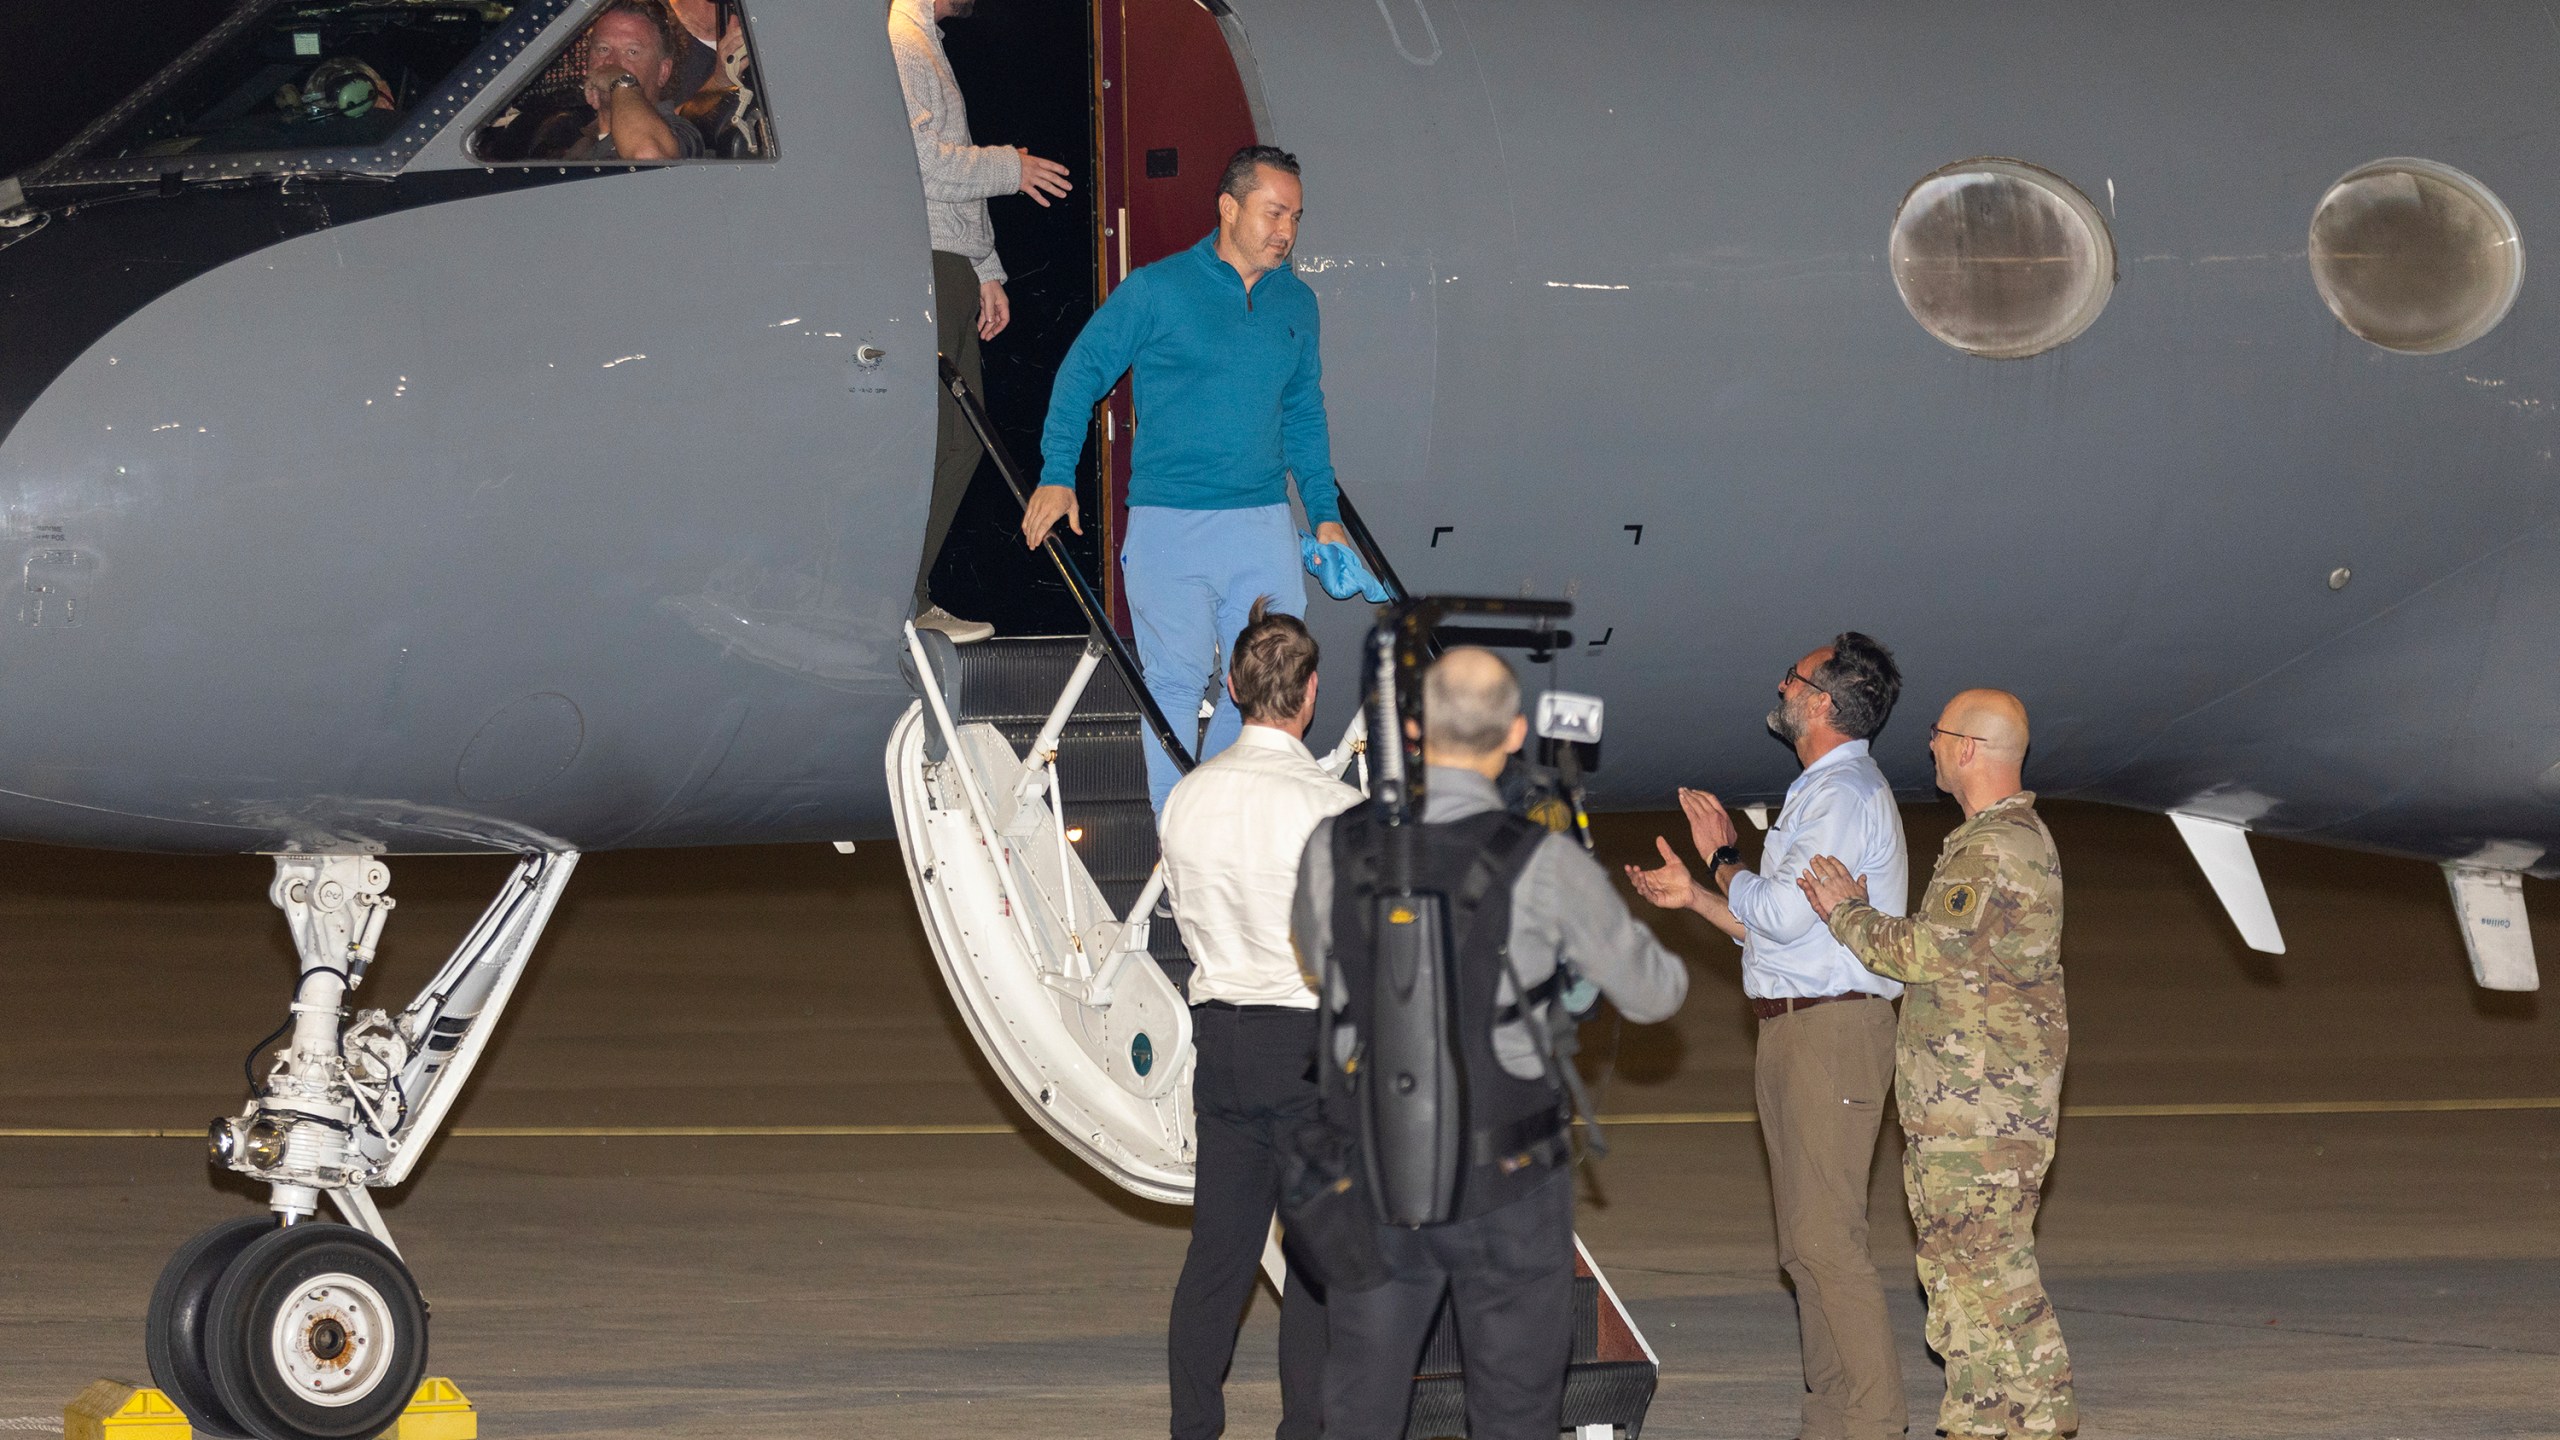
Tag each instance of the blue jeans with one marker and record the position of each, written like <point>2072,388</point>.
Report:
<point>1192,577</point>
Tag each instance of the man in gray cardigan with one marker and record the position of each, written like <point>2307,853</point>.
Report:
<point>969,304</point>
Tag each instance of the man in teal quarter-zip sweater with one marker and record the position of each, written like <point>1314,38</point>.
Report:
<point>1230,403</point>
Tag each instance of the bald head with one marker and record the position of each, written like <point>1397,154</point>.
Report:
<point>1996,719</point>
<point>1470,707</point>
<point>1980,745</point>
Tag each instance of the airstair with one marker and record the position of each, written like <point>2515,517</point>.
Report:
<point>1018,784</point>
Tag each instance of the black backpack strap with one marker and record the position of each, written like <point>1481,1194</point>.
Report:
<point>1505,854</point>
<point>1505,857</point>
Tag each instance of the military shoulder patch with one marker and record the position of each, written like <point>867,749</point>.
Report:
<point>1959,902</point>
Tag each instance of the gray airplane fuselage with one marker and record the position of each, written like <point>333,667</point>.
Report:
<point>501,508</point>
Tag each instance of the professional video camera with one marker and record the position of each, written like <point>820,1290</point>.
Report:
<point>1414,1093</point>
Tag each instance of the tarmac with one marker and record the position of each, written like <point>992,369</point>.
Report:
<point>2299,1195</point>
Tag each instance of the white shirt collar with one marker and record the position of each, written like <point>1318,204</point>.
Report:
<point>1270,737</point>
<point>1840,754</point>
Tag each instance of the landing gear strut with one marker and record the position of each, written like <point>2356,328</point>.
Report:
<point>285,1327</point>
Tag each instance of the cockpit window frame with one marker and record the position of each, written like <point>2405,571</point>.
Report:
<point>428,118</point>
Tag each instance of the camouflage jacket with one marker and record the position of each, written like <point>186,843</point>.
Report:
<point>1978,1056</point>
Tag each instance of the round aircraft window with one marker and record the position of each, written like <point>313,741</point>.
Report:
<point>2415,256</point>
<point>2000,258</point>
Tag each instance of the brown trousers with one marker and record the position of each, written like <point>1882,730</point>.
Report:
<point>1822,1082</point>
<point>955,445</point>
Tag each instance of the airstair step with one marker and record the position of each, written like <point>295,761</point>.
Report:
<point>1097,760</point>
<point>1119,844</point>
<point>1019,679</point>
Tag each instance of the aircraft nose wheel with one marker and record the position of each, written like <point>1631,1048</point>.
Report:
<point>316,1332</point>
<point>173,1336</point>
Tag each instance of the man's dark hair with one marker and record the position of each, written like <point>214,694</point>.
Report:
<point>1274,655</point>
<point>1862,681</point>
<point>1239,179</point>
<point>671,31</point>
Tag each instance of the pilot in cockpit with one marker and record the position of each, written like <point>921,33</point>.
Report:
<point>630,50</point>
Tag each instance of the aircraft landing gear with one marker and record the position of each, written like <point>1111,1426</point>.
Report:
<point>173,1336</point>
<point>303,1332</point>
<point>316,1330</point>
<point>283,1326</point>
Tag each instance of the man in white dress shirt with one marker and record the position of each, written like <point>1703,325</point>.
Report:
<point>1233,831</point>
<point>1825,1064</point>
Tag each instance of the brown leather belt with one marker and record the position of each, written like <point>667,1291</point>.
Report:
<point>1786,1004</point>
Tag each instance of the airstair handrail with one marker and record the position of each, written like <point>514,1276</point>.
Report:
<point>1097,619</point>
<point>1367,544</point>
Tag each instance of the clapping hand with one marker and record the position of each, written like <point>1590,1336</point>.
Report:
<point>1828,884</point>
<point>1710,828</point>
<point>1669,887</point>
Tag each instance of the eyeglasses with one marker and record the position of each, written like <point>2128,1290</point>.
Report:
<point>1800,678</point>
<point>1959,735</point>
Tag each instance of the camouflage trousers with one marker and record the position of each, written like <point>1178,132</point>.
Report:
<point>1974,1210</point>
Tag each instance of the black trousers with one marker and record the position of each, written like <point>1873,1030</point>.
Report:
<point>955,446</point>
<point>1250,1089</point>
<point>1509,1273</point>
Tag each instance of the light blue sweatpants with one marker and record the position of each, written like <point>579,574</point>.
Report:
<point>1192,577</point>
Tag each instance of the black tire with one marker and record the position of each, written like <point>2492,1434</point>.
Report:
<point>173,1335</point>
<point>346,1369</point>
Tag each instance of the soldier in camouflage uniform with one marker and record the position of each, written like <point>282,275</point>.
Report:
<point>1978,1053</point>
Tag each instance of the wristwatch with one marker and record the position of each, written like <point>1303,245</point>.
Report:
<point>1725,855</point>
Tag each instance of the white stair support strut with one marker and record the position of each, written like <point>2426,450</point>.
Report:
<point>2490,905</point>
<point>1132,942</point>
<point>2221,849</point>
<point>1045,749</point>
<point>1040,767</point>
<point>1355,745</point>
<point>975,794</point>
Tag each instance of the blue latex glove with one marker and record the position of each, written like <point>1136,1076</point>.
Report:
<point>1338,569</point>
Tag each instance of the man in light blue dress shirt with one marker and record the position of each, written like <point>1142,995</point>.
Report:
<point>1825,1060</point>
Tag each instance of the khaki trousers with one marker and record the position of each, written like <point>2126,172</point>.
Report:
<point>1822,1078</point>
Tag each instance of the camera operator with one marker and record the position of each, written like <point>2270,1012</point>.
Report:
<point>1506,1255</point>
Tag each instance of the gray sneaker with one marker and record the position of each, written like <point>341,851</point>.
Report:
<point>962,632</point>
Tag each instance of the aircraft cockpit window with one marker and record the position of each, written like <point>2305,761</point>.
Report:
<point>2000,258</point>
<point>641,80</point>
<point>2415,256</point>
<point>335,75</point>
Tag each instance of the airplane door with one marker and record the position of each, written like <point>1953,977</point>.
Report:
<point>1174,107</point>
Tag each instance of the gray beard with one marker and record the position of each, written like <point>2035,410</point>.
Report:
<point>1783,725</point>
